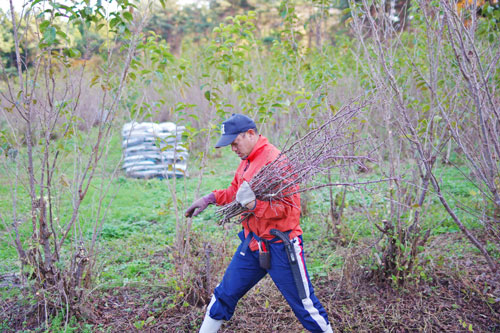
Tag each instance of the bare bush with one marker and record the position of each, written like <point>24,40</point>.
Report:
<point>45,102</point>
<point>418,87</point>
<point>475,128</point>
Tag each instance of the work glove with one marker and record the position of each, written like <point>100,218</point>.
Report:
<point>245,195</point>
<point>199,205</point>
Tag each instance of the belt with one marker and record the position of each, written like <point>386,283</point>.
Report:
<point>248,239</point>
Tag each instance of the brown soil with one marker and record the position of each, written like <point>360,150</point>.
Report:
<point>458,297</point>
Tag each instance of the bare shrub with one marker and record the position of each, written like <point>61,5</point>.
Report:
<point>56,257</point>
<point>475,127</point>
<point>417,86</point>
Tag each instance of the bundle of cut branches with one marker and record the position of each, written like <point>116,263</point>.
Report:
<point>320,150</point>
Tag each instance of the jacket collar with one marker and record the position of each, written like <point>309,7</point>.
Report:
<point>258,147</point>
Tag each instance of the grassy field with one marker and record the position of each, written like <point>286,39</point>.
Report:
<point>135,258</point>
<point>141,213</point>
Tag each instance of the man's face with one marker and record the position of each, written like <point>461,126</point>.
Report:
<point>243,144</point>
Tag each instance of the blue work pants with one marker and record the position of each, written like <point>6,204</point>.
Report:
<point>244,272</point>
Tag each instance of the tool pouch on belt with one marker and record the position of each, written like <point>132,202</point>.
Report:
<point>264,254</point>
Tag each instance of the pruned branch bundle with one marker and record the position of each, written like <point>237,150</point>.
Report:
<point>320,150</point>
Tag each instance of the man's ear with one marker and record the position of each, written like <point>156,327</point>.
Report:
<point>251,131</point>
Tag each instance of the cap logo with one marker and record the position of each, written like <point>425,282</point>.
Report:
<point>222,129</point>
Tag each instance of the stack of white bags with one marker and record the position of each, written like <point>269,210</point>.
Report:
<point>153,150</point>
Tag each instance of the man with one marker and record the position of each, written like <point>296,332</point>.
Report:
<point>261,250</point>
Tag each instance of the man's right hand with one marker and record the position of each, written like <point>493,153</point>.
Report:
<point>199,205</point>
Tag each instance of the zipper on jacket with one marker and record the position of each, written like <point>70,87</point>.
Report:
<point>246,167</point>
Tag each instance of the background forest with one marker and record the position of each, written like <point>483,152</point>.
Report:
<point>402,232</point>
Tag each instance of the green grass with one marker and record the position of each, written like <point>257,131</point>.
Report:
<point>138,231</point>
<point>140,212</point>
<point>140,218</point>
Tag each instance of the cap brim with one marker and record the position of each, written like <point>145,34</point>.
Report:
<point>225,140</point>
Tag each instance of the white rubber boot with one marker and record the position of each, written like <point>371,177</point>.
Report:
<point>210,325</point>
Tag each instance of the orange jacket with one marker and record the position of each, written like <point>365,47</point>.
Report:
<point>266,215</point>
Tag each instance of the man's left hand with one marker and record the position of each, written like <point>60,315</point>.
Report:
<point>245,196</point>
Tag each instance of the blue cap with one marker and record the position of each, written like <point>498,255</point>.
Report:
<point>233,126</point>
